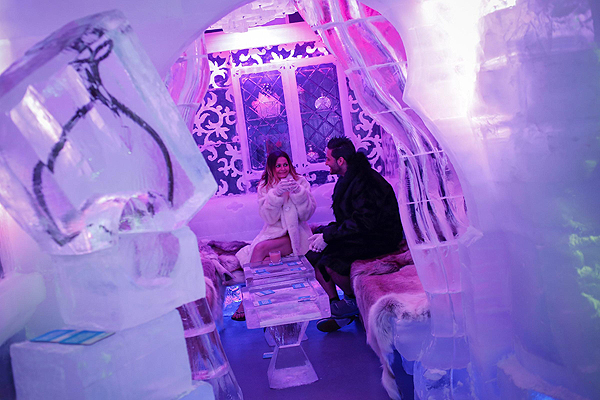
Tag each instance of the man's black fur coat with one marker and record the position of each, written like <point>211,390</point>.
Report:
<point>367,220</point>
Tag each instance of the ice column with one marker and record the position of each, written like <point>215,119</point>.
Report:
<point>98,167</point>
<point>187,80</point>
<point>513,87</point>
<point>431,202</point>
<point>208,360</point>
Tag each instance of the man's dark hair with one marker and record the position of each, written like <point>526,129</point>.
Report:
<point>342,147</point>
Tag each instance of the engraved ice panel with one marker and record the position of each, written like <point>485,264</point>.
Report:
<point>91,142</point>
<point>143,277</point>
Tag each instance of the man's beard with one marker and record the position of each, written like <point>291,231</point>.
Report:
<point>334,170</point>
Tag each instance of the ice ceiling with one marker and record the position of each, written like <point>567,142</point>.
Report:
<point>509,91</point>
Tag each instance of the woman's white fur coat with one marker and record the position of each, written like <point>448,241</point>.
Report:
<point>283,214</point>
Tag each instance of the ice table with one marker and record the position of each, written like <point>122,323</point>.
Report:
<point>289,268</point>
<point>283,298</point>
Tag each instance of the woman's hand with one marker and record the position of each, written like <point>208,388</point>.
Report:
<point>281,188</point>
<point>293,186</point>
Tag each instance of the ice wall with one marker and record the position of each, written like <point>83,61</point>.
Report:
<point>511,90</point>
<point>165,27</point>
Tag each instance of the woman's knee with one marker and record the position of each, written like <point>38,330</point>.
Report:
<point>262,247</point>
<point>260,251</point>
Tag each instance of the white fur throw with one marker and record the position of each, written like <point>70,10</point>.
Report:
<point>220,267</point>
<point>388,291</point>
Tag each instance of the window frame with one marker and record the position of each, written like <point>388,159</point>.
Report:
<point>287,69</point>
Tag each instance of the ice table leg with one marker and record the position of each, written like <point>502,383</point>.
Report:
<point>271,341</point>
<point>290,365</point>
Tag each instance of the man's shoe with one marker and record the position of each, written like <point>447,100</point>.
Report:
<point>333,324</point>
<point>345,308</point>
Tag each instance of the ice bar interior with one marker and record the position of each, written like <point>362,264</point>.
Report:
<point>130,136</point>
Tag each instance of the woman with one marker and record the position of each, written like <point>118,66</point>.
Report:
<point>285,204</point>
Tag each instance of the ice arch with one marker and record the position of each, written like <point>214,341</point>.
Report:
<point>526,151</point>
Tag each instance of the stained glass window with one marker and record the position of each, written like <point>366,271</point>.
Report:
<point>319,99</point>
<point>265,113</point>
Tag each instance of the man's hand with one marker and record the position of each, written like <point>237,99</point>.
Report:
<point>317,243</point>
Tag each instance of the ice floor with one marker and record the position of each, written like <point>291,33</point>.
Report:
<point>346,365</point>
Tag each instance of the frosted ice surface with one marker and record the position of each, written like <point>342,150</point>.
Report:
<point>284,302</point>
<point>146,362</point>
<point>92,144</point>
<point>144,276</point>
<point>19,296</point>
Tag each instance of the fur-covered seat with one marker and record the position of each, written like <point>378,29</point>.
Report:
<point>221,268</point>
<point>392,303</point>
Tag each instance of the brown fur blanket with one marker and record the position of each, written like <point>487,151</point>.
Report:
<point>221,268</point>
<point>388,292</point>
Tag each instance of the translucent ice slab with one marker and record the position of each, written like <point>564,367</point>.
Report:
<point>258,273</point>
<point>146,362</point>
<point>285,302</point>
<point>289,365</point>
<point>92,143</point>
<point>144,276</point>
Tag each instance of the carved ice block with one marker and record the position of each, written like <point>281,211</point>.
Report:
<point>144,276</point>
<point>91,142</point>
<point>147,362</point>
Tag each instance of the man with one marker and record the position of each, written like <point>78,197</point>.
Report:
<point>367,225</point>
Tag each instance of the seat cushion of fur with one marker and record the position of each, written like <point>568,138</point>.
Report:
<point>388,292</point>
<point>221,268</point>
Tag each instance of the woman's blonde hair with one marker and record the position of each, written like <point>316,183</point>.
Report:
<point>269,178</point>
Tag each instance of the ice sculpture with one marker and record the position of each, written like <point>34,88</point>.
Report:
<point>92,143</point>
<point>97,165</point>
<point>254,13</point>
<point>431,202</point>
<point>145,362</point>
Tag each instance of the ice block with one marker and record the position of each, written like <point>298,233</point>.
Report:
<point>147,362</point>
<point>208,361</point>
<point>92,144</point>
<point>284,302</point>
<point>143,277</point>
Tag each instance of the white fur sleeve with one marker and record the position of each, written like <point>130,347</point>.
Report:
<point>269,205</point>
<point>304,200</point>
